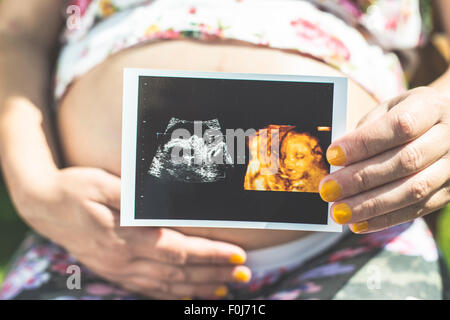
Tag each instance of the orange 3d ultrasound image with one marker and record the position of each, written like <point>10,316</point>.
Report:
<point>296,163</point>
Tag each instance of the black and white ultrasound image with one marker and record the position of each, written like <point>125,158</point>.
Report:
<point>203,159</point>
<point>197,176</point>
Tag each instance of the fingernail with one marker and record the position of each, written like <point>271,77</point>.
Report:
<point>242,276</point>
<point>221,291</point>
<point>360,227</point>
<point>330,191</point>
<point>342,213</point>
<point>237,259</point>
<point>336,156</point>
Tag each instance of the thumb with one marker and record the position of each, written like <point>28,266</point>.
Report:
<point>109,188</point>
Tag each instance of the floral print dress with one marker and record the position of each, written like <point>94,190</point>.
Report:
<point>352,36</point>
<point>399,263</point>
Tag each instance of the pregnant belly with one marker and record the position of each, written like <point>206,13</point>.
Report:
<point>89,118</point>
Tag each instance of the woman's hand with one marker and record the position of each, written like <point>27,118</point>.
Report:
<point>78,208</point>
<point>397,163</point>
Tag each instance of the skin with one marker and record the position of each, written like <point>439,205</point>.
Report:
<point>77,206</point>
<point>396,164</point>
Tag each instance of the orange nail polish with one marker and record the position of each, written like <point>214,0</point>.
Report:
<point>342,213</point>
<point>242,276</point>
<point>330,191</point>
<point>360,227</point>
<point>237,259</point>
<point>221,291</point>
<point>336,156</point>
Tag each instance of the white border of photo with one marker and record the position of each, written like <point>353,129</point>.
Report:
<point>129,140</point>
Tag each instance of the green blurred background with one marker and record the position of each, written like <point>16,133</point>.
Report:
<point>12,229</point>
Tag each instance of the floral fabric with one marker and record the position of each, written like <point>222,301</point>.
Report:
<point>398,263</point>
<point>349,35</point>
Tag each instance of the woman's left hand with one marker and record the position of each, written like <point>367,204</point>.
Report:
<point>396,163</point>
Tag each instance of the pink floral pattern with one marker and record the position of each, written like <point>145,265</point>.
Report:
<point>313,35</point>
<point>324,29</point>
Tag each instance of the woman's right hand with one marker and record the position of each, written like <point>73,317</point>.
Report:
<point>78,208</point>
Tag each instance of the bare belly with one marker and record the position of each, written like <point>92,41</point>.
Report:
<point>90,114</point>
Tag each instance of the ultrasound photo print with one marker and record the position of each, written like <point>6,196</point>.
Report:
<point>228,150</point>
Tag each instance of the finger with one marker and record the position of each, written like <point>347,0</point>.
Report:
<point>152,294</point>
<point>155,270</point>
<point>139,284</point>
<point>220,274</point>
<point>172,247</point>
<point>100,214</point>
<point>432,203</point>
<point>203,291</point>
<point>382,109</point>
<point>191,274</point>
<point>109,187</point>
<point>392,196</point>
<point>201,251</point>
<point>403,123</point>
<point>147,284</point>
<point>387,167</point>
